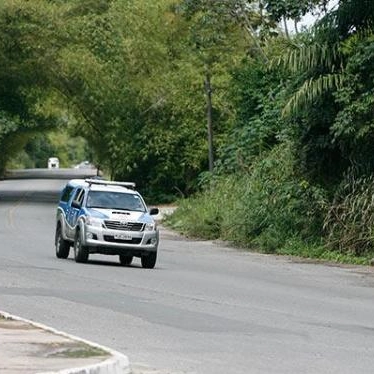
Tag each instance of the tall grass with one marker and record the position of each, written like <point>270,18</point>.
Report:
<point>349,223</point>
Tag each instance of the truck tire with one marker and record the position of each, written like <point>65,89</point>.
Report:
<point>80,251</point>
<point>149,261</point>
<point>62,246</point>
<point>125,260</point>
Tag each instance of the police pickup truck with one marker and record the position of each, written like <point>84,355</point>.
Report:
<point>106,217</point>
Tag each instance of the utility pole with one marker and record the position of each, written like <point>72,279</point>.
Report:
<point>208,92</point>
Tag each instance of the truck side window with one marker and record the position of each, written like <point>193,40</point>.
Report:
<point>78,196</point>
<point>66,193</point>
<point>81,197</point>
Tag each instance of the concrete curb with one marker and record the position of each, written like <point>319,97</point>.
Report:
<point>118,363</point>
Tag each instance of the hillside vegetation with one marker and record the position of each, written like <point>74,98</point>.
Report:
<point>265,136</point>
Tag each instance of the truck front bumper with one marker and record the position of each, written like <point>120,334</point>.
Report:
<point>104,240</point>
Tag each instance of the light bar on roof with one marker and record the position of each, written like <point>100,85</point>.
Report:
<point>110,183</point>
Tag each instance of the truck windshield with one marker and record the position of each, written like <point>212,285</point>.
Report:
<point>114,200</point>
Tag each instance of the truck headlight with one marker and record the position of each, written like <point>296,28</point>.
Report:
<point>93,221</point>
<point>149,227</point>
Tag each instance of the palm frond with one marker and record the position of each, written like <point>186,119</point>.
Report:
<point>312,56</point>
<point>311,90</point>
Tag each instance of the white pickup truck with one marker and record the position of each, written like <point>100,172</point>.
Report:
<point>97,216</point>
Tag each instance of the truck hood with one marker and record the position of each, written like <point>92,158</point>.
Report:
<point>120,215</point>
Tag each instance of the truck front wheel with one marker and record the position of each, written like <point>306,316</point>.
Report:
<point>80,251</point>
<point>125,260</point>
<point>149,261</point>
<point>62,246</point>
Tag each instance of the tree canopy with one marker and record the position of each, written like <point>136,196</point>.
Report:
<point>132,77</point>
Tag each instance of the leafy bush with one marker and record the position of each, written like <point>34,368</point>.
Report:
<point>263,208</point>
<point>276,204</point>
<point>202,214</point>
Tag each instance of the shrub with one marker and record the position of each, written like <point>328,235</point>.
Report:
<point>202,214</point>
<point>276,204</point>
<point>262,208</point>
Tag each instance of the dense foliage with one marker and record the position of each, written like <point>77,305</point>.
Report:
<point>289,116</point>
<point>300,146</point>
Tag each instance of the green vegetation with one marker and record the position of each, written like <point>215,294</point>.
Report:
<point>264,135</point>
<point>295,176</point>
<point>76,350</point>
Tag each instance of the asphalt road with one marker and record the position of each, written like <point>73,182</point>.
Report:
<point>205,308</point>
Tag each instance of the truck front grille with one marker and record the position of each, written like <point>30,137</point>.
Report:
<point>124,226</point>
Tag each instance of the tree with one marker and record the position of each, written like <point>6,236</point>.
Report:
<point>214,38</point>
<point>281,10</point>
<point>329,82</point>
<point>26,51</point>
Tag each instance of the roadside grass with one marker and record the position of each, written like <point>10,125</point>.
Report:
<point>189,226</point>
<point>270,209</point>
<point>76,350</point>
<point>321,252</point>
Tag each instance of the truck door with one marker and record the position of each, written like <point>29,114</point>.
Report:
<point>73,212</point>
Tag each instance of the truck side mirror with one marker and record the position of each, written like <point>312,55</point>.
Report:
<point>154,211</point>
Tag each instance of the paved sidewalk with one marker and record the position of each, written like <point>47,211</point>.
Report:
<point>29,348</point>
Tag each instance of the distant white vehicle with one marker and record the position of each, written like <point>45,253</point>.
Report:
<point>53,163</point>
